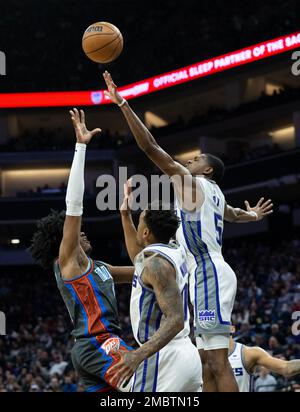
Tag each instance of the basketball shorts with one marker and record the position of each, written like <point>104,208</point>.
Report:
<point>212,292</point>
<point>175,368</point>
<point>92,361</point>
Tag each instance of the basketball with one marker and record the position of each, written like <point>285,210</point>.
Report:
<point>102,42</point>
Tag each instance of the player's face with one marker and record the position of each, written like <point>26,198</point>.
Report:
<point>85,244</point>
<point>142,230</point>
<point>198,165</point>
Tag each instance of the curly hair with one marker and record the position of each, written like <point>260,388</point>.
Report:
<point>46,240</point>
<point>162,222</point>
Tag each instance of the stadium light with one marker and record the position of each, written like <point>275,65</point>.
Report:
<point>14,241</point>
<point>282,135</point>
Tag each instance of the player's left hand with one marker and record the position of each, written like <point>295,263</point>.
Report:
<point>123,370</point>
<point>263,208</point>
<point>83,135</point>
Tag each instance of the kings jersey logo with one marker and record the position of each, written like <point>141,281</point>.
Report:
<point>207,318</point>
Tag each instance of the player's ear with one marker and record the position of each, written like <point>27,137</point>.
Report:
<point>208,170</point>
<point>146,232</point>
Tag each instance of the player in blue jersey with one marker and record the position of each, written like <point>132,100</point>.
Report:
<point>86,285</point>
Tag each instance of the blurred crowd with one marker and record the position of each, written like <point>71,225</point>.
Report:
<point>169,34</point>
<point>46,190</point>
<point>268,294</point>
<point>56,139</point>
<point>214,114</point>
<point>35,353</point>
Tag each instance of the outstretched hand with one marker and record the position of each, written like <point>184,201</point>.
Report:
<point>112,91</point>
<point>125,206</point>
<point>262,208</point>
<point>83,135</point>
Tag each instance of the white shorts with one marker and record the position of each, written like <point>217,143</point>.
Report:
<point>212,292</point>
<point>175,368</point>
<point>210,341</point>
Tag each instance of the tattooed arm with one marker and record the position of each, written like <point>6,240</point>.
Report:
<point>255,356</point>
<point>159,275</point>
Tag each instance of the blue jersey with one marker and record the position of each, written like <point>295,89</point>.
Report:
<point>91,302</point>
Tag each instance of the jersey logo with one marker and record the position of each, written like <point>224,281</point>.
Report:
<point>207,318</point>
<point>111,344</point>
<point>206,315</point>
<point>103,273</point>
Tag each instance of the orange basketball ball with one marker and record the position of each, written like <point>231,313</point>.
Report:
<point>102,42</point>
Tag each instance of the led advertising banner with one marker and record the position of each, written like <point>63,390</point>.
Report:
<point>186,74</point>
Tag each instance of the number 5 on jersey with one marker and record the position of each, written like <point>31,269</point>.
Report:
<point>219,228</point>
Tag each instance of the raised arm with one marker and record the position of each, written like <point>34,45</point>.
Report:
<point>258,357</point>
<point>252,214</point>
<point>72,260</point>
<point>187,189</point>
<point>128,226</point>
<point>159,275</point>
<point>142,135</point>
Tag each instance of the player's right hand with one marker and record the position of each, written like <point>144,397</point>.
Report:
<point>112,92</point>
<point>83,135</point>
<point>127,364</point>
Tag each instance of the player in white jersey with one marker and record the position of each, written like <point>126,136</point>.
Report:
<point>202,208</point>
<point>167,360</point>
<point>237,362</point>
<point>244,359</point>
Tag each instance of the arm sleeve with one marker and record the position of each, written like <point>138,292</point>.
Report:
<point>75,190</point>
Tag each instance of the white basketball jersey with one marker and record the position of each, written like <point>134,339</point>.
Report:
<point>203,229</point>
<point>241,374</point>
<point>145,312</point>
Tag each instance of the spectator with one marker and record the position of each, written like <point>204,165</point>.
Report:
<point>68,385</point>
<point>59,366</point>
<point>265,382</point>
<point>277,334</point>
<point>54,385</point>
